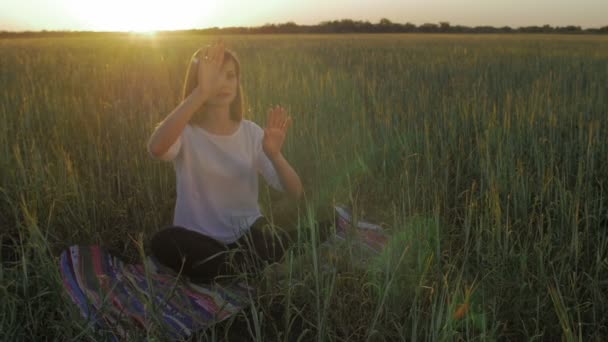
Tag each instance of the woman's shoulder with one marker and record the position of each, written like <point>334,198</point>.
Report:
<point>252,127</point>
<point>250,123</point>
<point>187,128</point>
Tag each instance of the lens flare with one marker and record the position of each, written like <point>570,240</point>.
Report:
<point>142,16</point>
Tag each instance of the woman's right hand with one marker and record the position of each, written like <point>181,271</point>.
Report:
<point>210,59</point>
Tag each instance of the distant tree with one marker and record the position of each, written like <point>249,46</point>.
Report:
<point>485,29</point>
<point>289,27</point>
<point>444,26</point>
<point>409,27</point>
<point>385,25</point>
<point>385,22</point>
<point>530,29</point>
<point>428,28</point>
<point>347,25</point>
<point>268,28</point>
<point>547,29</point>
<point>364,26</point>
<point>573,29</point>
<point>460,29</point>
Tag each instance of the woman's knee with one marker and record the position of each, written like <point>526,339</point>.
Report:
<point>162,239</point>
<point>157,242</point>
<point>169,247</point>
<point>266,241</point>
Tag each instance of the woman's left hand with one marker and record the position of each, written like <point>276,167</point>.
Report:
<point>275,131</point>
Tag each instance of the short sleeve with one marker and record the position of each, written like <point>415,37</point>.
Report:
<point>263,163</point>
<point>172,152</point>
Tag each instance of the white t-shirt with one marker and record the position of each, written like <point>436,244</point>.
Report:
<point>217,180</point>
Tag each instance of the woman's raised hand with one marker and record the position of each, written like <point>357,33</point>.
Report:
<point>275,131</point>
<point>210,59</point>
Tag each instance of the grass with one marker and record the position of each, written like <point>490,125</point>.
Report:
<point>483,154</point>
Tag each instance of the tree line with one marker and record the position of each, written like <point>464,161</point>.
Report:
<point>387,26</point>
<point>347,26</point>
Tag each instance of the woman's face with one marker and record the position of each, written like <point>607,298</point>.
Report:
<point>227,84</point>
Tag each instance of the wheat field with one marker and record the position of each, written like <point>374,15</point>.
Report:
<point>484,154</point>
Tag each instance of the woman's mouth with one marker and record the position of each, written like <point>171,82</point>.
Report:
<point>224,94</point>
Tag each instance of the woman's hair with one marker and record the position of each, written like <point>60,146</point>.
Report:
<point>238,104</point>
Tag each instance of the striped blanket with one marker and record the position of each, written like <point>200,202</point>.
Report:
<point>114,295</point>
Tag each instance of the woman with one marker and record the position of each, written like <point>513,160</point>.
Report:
<point>217,156</point>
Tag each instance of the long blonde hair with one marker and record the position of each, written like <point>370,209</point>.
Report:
<point>237,107</point>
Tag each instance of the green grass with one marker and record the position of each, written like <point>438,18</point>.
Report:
<point>484,155</point>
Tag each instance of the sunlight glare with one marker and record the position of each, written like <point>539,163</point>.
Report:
<point>142,16</point>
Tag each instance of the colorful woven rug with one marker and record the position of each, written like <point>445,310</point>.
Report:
<point>368,235</point>
<point>114,296</point>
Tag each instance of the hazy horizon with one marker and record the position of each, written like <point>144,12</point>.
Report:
<point>116,15</point>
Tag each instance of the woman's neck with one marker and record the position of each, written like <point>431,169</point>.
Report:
<point>216,120</point>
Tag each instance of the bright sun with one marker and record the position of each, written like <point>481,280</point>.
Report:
<point>142,16</point>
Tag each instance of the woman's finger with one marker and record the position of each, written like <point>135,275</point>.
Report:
<point>278,117</point>
<point>220,54</point>
<point>219,49</point>
<point>206,53</point>
<point>212,50</point>
<point>216,49</point>
<point>270,121</point>
<point>282,115</point>
<point>286,123</point>
<point>289,123</point>
<point>196,58</point>
<point>273,117</point>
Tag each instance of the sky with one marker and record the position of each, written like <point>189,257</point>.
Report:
<point>151,15</point>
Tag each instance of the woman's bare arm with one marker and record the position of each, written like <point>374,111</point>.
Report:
<point>172,126</point>
<point>208,69</point>
<point>288,176</point>
<point>274,136</point>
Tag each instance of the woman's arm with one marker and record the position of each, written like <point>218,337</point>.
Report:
<point>208,69</point>
<point>288,176</point>
<point>274,136</point>
<point>172,126</point>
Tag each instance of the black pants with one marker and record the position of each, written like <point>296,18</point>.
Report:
<point>202,258</point>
